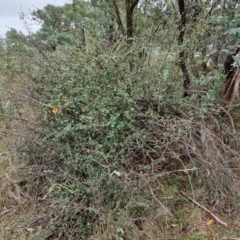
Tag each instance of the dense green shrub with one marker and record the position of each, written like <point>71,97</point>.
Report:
<point>114,141</point>
<point>112,131</point>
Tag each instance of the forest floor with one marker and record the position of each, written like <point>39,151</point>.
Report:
<point>24,216</point>
<point>25,220</point>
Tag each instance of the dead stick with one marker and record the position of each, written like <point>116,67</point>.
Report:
<point>205,209</point>
<point>5,212</point>
<point>230,118</point>
<point>154,196</point>
<point>229,238</point>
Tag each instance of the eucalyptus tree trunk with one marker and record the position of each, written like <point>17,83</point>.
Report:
<point>183,66</point>
<point>130,6</point>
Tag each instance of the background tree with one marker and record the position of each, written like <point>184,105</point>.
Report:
<point>16,39</point>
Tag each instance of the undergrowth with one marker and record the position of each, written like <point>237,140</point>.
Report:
<point>96,138</point>
<point>116,144</point>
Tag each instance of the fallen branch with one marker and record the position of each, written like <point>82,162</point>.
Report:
<point>34,221</point>
<point>165,209</point>
<point>230,238</point>
<point>5,211</point>
<point>204,208</point>
<point>224,111</point>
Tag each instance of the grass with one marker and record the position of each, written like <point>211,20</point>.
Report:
<point>26,214</point>
<point>14,224</point>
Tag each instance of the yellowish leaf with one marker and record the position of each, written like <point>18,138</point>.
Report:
<point>210,222</point>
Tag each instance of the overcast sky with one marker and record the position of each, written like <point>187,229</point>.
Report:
<point>10,10</point>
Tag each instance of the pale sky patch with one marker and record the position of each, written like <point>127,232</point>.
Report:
<point>10,11</point>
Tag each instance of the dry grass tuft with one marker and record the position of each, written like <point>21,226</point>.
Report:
<point>10,192</point>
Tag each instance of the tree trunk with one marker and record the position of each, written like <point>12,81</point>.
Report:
<point>181,27</point>
<point>130,6</point>
<point>118,17</point>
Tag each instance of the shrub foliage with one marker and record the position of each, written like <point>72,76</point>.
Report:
<point>114,141</point>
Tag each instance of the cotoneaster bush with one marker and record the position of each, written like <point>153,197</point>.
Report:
<point>114,131</point>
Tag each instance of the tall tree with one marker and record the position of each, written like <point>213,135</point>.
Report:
<point>15,37</point>
<point>183,66</point>
<point>56,26</point>
<point>130,6</point>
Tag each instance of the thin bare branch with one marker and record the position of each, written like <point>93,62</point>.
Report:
<point>204,208</point>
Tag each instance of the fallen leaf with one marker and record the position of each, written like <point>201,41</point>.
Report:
<point>210,222</point>
<point>30,230</point>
